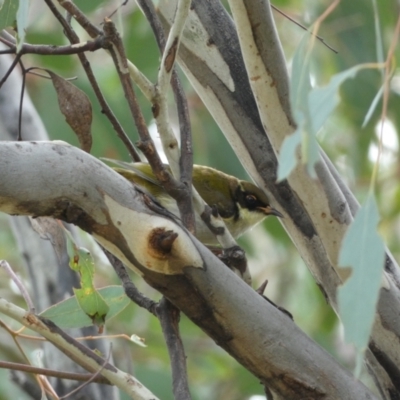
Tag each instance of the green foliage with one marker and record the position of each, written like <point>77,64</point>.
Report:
<point>8,13</point>
<point>22,21</point>
<point>89,299</point>
<point>311,107</point>
<point>364,252</point>
<point>69,314</point>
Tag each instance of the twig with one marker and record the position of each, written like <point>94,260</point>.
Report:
<point>130,289</point>
<point>168,315</point>
<point>92,378</point>
<point>51,372</point>
<point>80,17</point>
<point>21,100</point>
<point>25,294</point>
<point>12,66</point>
<point>321,39</point>
<point>49,50</point>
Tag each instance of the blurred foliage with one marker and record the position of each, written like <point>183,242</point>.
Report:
<point>350,30</point>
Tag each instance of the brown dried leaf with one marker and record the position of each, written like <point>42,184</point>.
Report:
<point>76,107</point>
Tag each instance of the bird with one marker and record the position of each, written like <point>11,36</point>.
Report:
<point>241,204</point>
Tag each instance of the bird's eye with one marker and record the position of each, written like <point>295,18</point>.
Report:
<point>251,201</point>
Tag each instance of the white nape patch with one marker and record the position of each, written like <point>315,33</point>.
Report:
<point>137,227</point>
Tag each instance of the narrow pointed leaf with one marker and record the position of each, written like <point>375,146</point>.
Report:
<point>22,21</point>
<point>287,156</point>
<point>8,13</point>
<point>322,101</point>
<point>363,251</point>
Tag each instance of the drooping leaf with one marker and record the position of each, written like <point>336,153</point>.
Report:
<point>87,296</point>
<point>364,252</point>
<point>8,13</point>
<point>68,313</point>
<point>76,107</point>
<point>373,106</point>
<point>378,36</point>
<point>22,21</point>
<point>380,58</point>
<point>322,101</point>
<point>300,87</point>
<point>311,108</point>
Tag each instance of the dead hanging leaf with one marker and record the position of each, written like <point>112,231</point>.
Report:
<point>76,107</point>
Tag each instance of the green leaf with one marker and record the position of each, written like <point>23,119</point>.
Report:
<point>22,21</point>
<point>287,156</point>
<point>300,84</point>
<point>311,108</point>
<point>92,304</point>
<point>364,252</point>
<point>299,93</point>
<point>373,106</point>
<point>322,101</point>
<point>69,314</point>
<point>90,301</point>
<point>8,13</point>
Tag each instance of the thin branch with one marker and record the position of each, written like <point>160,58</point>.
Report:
<point>51,372</point>
<point>92,378</point>
<point>21,100</point>
<point>321,39</point>
<point>80,17</point>
<point>12,66</point>
<point>130,289</point>
<point>168,315</point>
<point>50,50</point>
<point>25,294</point>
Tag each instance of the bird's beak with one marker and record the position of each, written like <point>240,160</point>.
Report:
<point>268,210</point>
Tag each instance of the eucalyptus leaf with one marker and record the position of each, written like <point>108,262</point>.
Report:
<point>322,101</point>
<point>69,314</point>
<point>287,156</point>
<point>22,21</point>
<point>8,13</point>
<point>363,251</point>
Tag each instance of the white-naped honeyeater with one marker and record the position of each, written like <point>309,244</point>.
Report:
<point>240,204</point>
